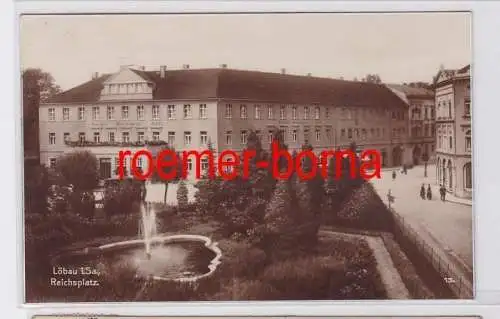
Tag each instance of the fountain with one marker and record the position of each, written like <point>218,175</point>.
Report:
<point>182,258</point>
<point>147,227</point>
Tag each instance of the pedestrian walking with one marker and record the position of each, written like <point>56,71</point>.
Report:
<point>422,191</point>
<point>442,192</point>
<point>393,175</point>
<point>429,192</point>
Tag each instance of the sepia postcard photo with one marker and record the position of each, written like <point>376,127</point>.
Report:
<point>237,157</point>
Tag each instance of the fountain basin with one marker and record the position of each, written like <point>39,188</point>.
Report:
<point>178,258</point>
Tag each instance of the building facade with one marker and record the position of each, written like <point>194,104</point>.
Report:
<point>421,121</point>
<point>453,131</point>
<point>190,108</point>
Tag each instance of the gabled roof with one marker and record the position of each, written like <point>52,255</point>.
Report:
<point>233,84</point>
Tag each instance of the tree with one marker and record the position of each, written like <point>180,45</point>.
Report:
<point>425,159</point>
<point>372,78</point>
<point>37,86</point>
<point>36,189</point>
<point>182,195</point>
<point>79,169</point>
<point>175,171</point>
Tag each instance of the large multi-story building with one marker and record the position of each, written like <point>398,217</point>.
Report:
<point>187,108</point>
<point>421,121</point>
<point>453,127</point>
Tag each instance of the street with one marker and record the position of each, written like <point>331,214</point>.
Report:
<point>448,223</point>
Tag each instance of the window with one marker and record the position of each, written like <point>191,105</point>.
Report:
<point>306,135</point>
<point>426,115</point>
<point>204,164</point>
<point>318,135</point>
<point>81,137</point>
<point>171,112</point>
<point>52,138</point>
<point>468,141</point>
<point>306,112</point>
<point>203,111</point>
<point>95,113</point>
<point>52,114</point>
<point>394,132</point>
<point>342,132</point>
<point>156,136</point>
<point>66,137</point>
<point>52,163</point>
<point>125,137</point>
<point>187,111</point>
<point>317,112</point>
<point>270,113</point>
<point>450,142</point>
<point>432,114</point>
<point>228,112</point>
<point>190,164</point>
<point>294,135</point>
<point>449,110</point>
<point>203,138</point>
<point>349,133</point>
<point>328,132</point>
<point>140,137</point>
<point>468,176</point>
<point>467,108</point>
<point>363,134</point>
<point>259,134</point>
<point>81,113</point>
<point>327,113</point>
<point>243,111</point>
<point>111,137</point>
<point>294,113</point>
<point>393,115</point>
<point>171,138</point>
<point>270,136</point>
<point>187,138</point>
<point>140,112</point>
<point>229,137</point>
<point>282,112</point>
<point>243,137</point>
<point>97,137</point>
<point>258,115</point>
<point>110,112</point>
<point>66,114</point>
<point>124,112</point>
<point>156,112</point>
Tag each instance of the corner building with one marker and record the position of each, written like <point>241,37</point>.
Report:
<point>453,126</point>
<point>188,108</point>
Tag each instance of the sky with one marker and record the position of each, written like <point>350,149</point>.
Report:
<point>400,47</point>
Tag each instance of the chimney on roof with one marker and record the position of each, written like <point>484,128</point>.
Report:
<point>142,68</point>
<point>223,66</point>
<point>309,74</point>
<point>163,71</point>
<point>185,66</point>
<point>283,71</point>
<point>95,75</point>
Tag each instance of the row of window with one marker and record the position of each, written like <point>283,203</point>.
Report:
<point>428,131</point>
<point>445,110</point>
<point>416,113</point>
<point>125,114</point>
<point>443,139</point>
<point>187,113</point>
<point>125,137</point>
<point>307,112</point>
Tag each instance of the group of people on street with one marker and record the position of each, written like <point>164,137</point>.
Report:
<point>423,193</point>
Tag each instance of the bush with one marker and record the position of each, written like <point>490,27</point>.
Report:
<point>121,198</point>
<point>240,259</point>
<point>316,278</point>
<point>363,209</point>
